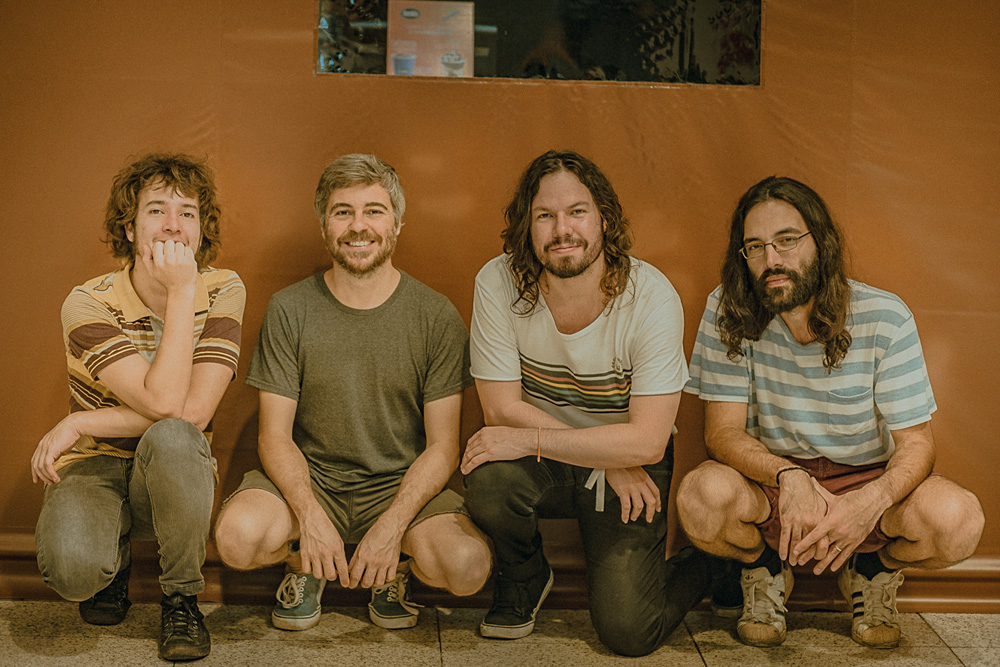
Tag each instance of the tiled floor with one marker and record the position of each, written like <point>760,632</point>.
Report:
<point>51,633</point>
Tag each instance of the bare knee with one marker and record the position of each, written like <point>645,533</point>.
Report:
<point>469,568</point>
<point>957,521</point>
<point>246,539</point>
<point>706,497</point>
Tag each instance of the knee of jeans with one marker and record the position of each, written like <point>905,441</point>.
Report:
<point>489,491</point>
<point>177,439</point>
<point>625,633</point>
<point>77,578</point>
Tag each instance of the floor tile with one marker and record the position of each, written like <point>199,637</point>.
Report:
<point>518,653</point>
<point>967,630</point>
<point>343,625</point>
<point>978,657</point>
<point>62,619</point>
<point>461,627</point>
<point>808,629</point>
<point>824,656</point>
<point>77,651</point>
<point>299,652</point>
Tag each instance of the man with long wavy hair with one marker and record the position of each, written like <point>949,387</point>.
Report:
<point>133,459</point>
<point>817,421</point>
<point>578,360</point>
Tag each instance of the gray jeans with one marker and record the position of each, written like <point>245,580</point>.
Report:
<point>165,493</point>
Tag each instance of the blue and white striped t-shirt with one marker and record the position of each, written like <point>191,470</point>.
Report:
<point>798,409</point>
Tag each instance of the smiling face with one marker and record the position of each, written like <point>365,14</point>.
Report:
<point>360,229</point>
<point>164,214</point>
<point>567,232</point>
<point>787,280</point>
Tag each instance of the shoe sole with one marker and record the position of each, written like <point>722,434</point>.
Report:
<point>185,653</point>
<point>516,631</point>
<point>297,623</point>
<point>392,622</point>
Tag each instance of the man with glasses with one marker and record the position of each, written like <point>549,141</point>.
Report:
<point>818,425</point>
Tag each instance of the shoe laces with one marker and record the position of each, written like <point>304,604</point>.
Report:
<point>512,595</point>
<point>762,596</point>
<point>880,598</point>
<point>291,591</point>
<point>180,617</point>
<point>395,591</point>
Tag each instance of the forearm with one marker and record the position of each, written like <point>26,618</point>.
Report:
<point>286,466</point>
<point>425,478</point>
<point>169,376</point>
<point>745,454</point>
<point>118,422</point>
<point>910,464</point>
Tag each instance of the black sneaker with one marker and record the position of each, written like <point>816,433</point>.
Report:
<point>110,605</point>
<point>515,604</point>
<point>727,596</point>
<point>183,635</point>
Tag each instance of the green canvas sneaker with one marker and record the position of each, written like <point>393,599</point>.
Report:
<point>391,607</point>
<point>298,605</point>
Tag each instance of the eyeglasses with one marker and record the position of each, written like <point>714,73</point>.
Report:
<point>780,244</point>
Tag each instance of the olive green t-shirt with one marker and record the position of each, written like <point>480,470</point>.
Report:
<point>361,377</point>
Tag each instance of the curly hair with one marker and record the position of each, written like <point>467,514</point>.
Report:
<point>359,169</point>
<point>517,243</point>
<point>741,316</point>
<point>189,176</point>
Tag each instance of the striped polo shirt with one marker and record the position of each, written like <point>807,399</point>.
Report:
<point>584,378</point>
<point>104,321</point>
<point>796,408</point>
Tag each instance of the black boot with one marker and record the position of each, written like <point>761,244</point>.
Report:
<point>183,635</point>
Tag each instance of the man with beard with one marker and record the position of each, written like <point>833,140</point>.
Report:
<point>818,424</point>
<point>360,370</point>
<point>578,359</point>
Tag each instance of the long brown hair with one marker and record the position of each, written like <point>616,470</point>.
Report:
<point>189,176</point>
<point>617,238</point>
<point>741,316</point>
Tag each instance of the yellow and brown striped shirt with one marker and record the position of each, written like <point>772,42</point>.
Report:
<point>104,321</point>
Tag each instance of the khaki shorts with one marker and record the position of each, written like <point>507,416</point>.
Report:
<point>354,512</point>
<point>836,478</point>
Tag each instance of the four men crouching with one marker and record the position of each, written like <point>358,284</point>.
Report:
<point>817,417</point>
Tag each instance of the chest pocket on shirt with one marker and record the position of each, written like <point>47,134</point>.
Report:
<point>850,412</point>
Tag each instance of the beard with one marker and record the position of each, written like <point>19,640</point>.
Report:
<point>804,287</point>
<point>359,267</point>
<point>568,267</point>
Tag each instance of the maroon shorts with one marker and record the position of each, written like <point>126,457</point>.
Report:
<point>836,478</point>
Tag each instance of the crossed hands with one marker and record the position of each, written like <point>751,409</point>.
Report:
<point>322,551</point>
<point>817,525</point>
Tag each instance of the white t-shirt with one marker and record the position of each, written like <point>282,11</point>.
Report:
<point>585,378</point>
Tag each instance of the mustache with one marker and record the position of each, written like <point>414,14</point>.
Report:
<point>566,240</point>
<point>348,237</point>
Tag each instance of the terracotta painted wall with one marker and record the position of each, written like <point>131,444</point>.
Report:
<point>888,109</point>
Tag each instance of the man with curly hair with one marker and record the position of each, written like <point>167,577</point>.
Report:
<point>817,420</point>
<point>578,360</point>
<point>150,349</point>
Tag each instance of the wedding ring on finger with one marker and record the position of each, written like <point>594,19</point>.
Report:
<point>837,548</point>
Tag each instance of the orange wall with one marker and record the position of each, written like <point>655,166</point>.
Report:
<point>888,109</point>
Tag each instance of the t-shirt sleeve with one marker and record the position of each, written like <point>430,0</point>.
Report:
<point>902,388</point>
<point>493,343</point>
<point>220,339</point>
<point>715,377</point>
<point>274,366</point>
<point>448,362</point>
<point>658,364</point>
<point>92,334</point>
